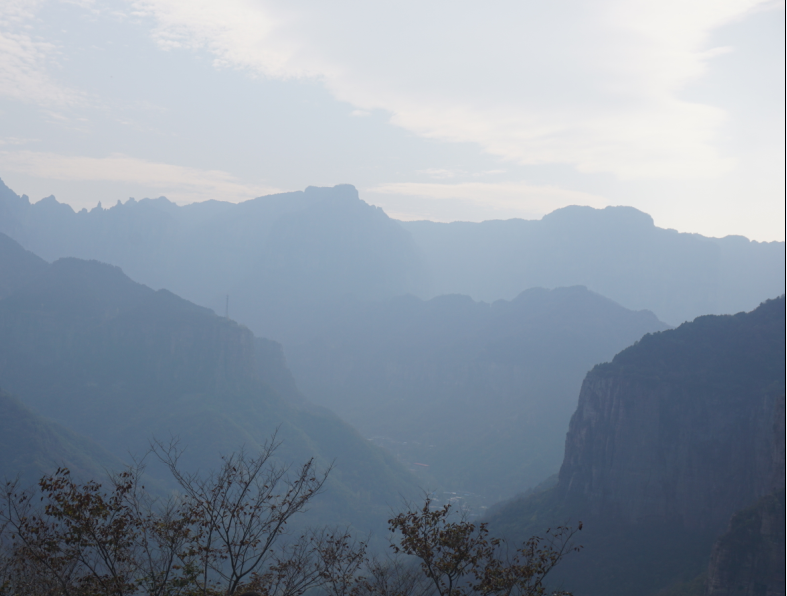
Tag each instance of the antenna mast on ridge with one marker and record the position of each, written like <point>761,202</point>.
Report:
<point>227,307</point>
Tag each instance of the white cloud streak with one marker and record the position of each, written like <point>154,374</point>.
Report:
<point>592,84</point>
<point>180,184</point>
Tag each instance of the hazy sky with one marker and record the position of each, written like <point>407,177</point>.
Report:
<point>442,110</point>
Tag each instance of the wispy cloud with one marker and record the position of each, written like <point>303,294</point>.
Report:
<point>178,183</point>
<point>593,84</point>
<point>26,62</point>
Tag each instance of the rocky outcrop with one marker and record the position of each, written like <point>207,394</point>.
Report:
<point>748,560</point>
<point>642,451</point>
<point>679,428</point>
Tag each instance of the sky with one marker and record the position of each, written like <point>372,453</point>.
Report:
<point>433,110</point>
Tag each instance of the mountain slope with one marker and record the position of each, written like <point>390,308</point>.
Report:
<point>17,266</point>
<point>122,364</point>
<point>475,396</point>
<point>31,446</point>
<point>672,437</point>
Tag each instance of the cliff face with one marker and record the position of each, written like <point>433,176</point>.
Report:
<point>639,450</point>
<point>677,434</point>
<point>748,560</point>
<point>680,427</point>
<point>89,326</point>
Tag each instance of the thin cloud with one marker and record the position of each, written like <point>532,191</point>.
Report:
<point>595,85</point>
<point>25,62</point>
<point>178,183</point>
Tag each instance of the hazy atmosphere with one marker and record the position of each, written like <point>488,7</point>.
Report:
<point>439,111</point>
<point>392,299</point>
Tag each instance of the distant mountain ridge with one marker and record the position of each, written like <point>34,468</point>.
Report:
<point>279,258</point>
<point>286,260</point>
<point>616,251</point>
<point>671,438</point>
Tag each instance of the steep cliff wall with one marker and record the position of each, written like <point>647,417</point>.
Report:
<point>638,450</point>
<point>680,427</point>
<point>677,434</point>
<point>748,560</point>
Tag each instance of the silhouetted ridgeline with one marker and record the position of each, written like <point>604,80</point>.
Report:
<point>285,259</point>
<point>477,395</point>
<point>281,258</point>
<point>617,252</point>
<point>668,441</point>
<point>120,363</point>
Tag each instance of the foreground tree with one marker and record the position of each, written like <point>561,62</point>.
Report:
<point>460,558</point>
<point>236,515</point>
<point>225,534</point>
<point>75,538</point>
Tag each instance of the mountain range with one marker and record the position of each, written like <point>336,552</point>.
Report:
<point>459,352</point>
<point>284,260</point>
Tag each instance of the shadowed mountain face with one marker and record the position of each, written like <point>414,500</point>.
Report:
<point>668,441</point>
<point>121,364</point>
<point>31,446</point>
<point>17,266</point>
<point>475,396</point>
<point>287,261</point>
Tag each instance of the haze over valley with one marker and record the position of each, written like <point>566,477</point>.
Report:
<point>405,299</point>
<point>469,400</point>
